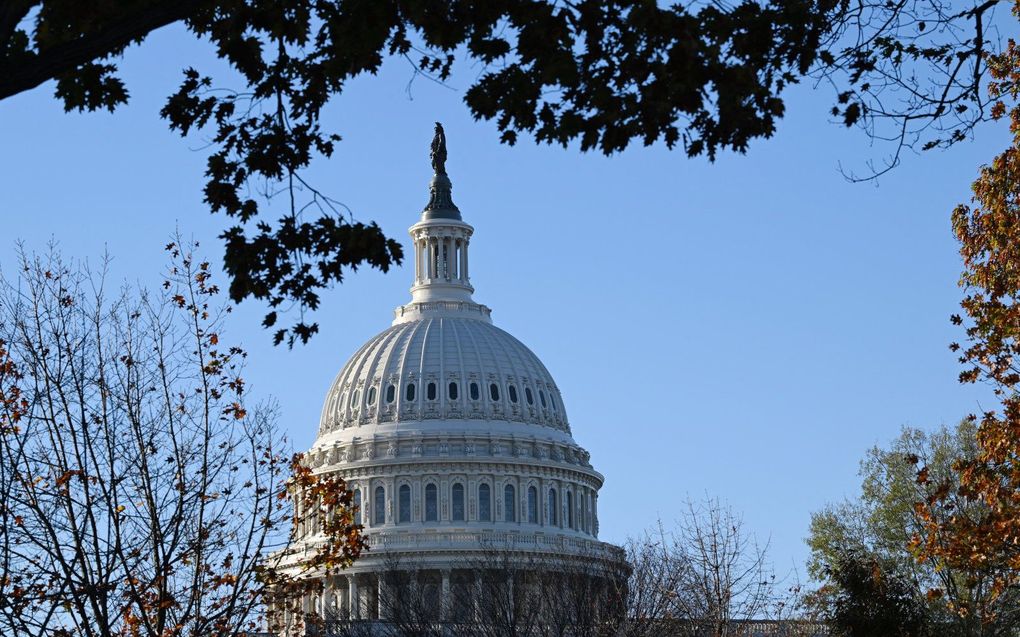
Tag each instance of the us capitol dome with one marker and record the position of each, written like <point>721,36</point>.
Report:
<point>452,434</point>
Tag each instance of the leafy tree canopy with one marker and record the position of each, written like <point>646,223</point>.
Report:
<point>704,76</point>
<point>989,233</point>
<point>876,531</point>
<point>869,601</point>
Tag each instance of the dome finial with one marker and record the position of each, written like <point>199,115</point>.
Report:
<point>440,205</point>
<point>438,153</point>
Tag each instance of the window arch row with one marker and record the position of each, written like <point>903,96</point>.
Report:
<point>486,499</point>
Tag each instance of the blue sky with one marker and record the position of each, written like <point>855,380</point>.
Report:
<point>744,329</point>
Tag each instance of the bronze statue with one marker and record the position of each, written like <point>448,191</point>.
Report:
<point>438,153</point>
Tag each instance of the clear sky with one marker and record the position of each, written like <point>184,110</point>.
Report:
<point>744,329</point>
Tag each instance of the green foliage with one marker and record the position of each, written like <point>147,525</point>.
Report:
<point>881,528</point>
<point>869,601</point>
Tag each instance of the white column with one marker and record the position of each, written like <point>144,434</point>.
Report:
<point>464,262</point>
<point>391,500</point>
<point>561,503</point>
<point>444,599</point>
<point>328,599</point>
<point>476,598</point>
<point>510,590</point>
<point>417,261</point>
<point>431,257</point>
<point>424,259</point>
<point>428,257</point>
<point>353,603</point>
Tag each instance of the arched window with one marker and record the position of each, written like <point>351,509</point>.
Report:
<point>494,391</point>
<point>473,390</point>
<point>541,397</point>
<point>509,504</point>
<point>512,391</point>
<point>458,502</point>
<point>570,509</point>
<point>552,507</point>
<point>409,392</point>
<point>533,505</point>
<point>452,391</point>
<point>371,396</point>
<point>391,393</point>
<point>529,396</point>
<point>431,503</point>
<point>484,506</point>
<point>357,506</point>
<point>380,506</point>
<point>430,391</point>
<point>404,504</point>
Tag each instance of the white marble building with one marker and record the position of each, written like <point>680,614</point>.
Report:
<point>452,434</point>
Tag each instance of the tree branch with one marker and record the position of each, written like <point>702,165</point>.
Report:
<point>67,56</point>
<point>12,12</point>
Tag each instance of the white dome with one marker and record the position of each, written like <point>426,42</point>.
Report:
<point>451,435</point>
<point>442,369</point>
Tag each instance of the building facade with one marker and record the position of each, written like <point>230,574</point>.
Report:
<point>452,435</point>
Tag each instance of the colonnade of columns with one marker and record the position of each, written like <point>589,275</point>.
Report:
<point>363,597</point>
<point>441,258</point>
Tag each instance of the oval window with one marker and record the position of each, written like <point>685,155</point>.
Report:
<point>371,395</point>
<point>529,396</point>
<point>430,391</point>
<point>473,389</point>
<point>409,392</point>
<point>552,400</point>
<point>354,399</point>
<point>453,391</point>
<point>391,393</point>
<point>494,391</point>
<point>541,397</point>
<point>512,391</point>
